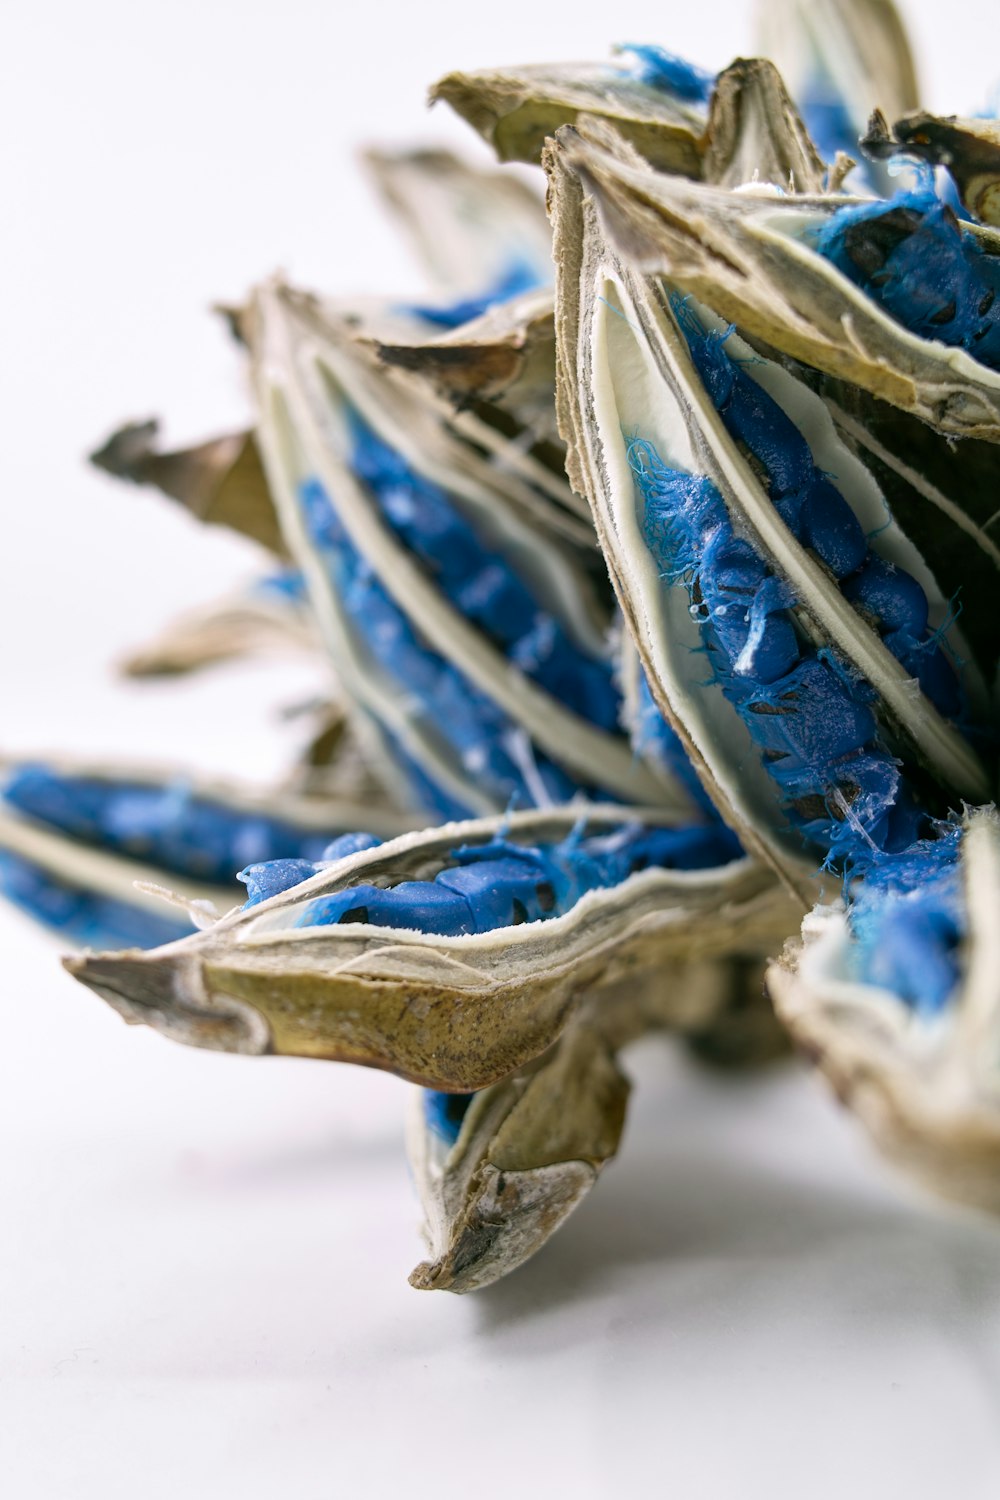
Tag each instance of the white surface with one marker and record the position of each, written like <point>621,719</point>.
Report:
<point>202,1259</point>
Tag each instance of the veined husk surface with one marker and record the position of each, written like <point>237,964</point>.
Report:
<point>452,1013</point>
<point>625,368</point>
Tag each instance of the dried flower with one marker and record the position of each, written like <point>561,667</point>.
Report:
<point>666,594</point>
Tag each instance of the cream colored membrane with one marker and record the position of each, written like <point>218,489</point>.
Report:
<point>850,476</point>
<point>979,1006</point>
<point>98,870</point>
<point>419,856</point>
<point>632,399</point>
<point>496,504</point>
<point>939,743</point>
<point>362,677</point>
<point>509,457</point>
<point>788,228</point>
<point>934,496</point>
<point>599,758</point>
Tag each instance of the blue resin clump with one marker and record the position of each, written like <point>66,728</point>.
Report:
<point>808,714</point>
<point>271,878</point>
<point>480,583</point>
<point>908,921</point>
<point>502,884</point>
<point>912,257</point>
<point>491,747</point>
<point>165,825</point>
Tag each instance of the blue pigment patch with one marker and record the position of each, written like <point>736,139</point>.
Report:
<point>278,875</point>
<point>669,74</point>
<point>910,255</point>
<point>480,583</point>
<point>167,826</point>
<point>444,1113</point>
<point>502,884</point>
<point>908,921</point>
<point>821,519</point>
<point>84,918</point>
<point>809,717</point>
<point>490,746</point>
<point>519,277</point>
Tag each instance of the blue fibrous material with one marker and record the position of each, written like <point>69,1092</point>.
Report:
<point>480,583</point>
<point>911,256</point>
<point>166,826</point>
<point>502,884</point>
<point>520,276</point>
<point>821,519</point>
<point>277,875</point>
<point>487,742</point>
<point>444,1113</point>
<point>85,918</point>
<point>810,719</point>
<point>908,921</point>
<point>669,74</point>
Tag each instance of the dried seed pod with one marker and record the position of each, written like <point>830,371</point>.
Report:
<point>220,482</point>
<point>897,999</point>
<point>91,849</point>
<point>970,149</point>
<point>752,257</point>
<point>268,618</point>
<point>88,897</point>
<point>741,565</point>
<point>455,956</point>
<point>657,102</point>
<point>473,229</point>
<point>427,571</point>
<point>500,1170</point>
<point>755,134</point>
<point>494,378</point>
<point>840,58</point>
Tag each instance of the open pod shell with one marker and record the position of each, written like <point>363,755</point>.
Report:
<point>927,1089</point>
<point>469,225</point>
<point>746,256</point>
<point>128,872</point>
<point>308,370</point>
<point>452,1013</point>
<point>624,370</point>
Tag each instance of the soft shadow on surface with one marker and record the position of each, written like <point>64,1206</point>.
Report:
<point>696,1220</point>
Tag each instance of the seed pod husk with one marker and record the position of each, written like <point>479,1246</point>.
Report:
<point>626,372</point>
<point>926,1086</point>
<point>747,256</point>
<point>452,1013</point>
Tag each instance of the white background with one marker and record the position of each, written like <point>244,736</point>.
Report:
<point>202,1258</point>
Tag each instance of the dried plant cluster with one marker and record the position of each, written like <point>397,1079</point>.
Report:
<point>659,611</point>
